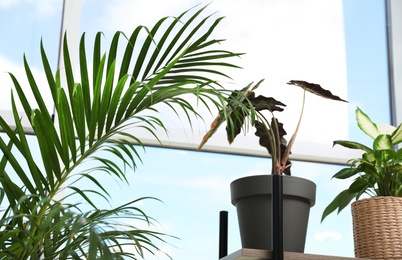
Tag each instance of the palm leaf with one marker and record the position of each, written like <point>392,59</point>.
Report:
<point>93,112</point>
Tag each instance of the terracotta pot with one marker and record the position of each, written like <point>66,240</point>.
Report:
<point>377,227</point>
<point>252,198</point>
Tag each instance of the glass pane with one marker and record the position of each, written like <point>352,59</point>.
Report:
<point>282,41</point>
<point>340,50</point>
<point>395,51</point>
<point>324,42</point>
<point>194,187</point>
<point>23,24</point>
<point>367,63</point>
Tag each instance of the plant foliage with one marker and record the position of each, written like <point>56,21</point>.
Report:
<point>244,106</point>
<point>93,110</point>
<point>379,170</point>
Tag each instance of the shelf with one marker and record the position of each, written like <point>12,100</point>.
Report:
<point>259,254</point>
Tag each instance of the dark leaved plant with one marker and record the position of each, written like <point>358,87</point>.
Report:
<point>245,107</point>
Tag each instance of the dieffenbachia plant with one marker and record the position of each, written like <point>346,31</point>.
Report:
<point>379,170</point>
<point>244,104</point>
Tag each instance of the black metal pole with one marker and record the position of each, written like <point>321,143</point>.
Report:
<point>277,217</point>
<point>223,234</point>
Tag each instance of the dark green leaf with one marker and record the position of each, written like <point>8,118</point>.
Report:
<point>86,93</point>
<point>343,198</point>
<point>352,145</point>
<point>315,89</point>
<point>105,99</point>
<point>346,173</point>
<point>114,103</point>
<point>261,103</point>
<point>395,168</point>
<point>78,110</point>
<point>359,185</point>
<point>66,128</point>
<point>68,68</point>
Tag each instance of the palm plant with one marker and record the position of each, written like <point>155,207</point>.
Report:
<point>93,111</point>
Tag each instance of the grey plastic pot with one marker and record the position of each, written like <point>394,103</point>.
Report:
<point>252,197</point>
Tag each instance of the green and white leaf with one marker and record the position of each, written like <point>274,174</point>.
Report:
<point>383,142</point>
<point>397,135</point>
<point>365,124</point>
<point>379,169</point>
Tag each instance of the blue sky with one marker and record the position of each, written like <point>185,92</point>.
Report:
<point>194,186</point>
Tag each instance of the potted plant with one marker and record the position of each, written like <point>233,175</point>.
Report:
<point>93,110</point>
<point>377,174</point>
<point>252,195</point>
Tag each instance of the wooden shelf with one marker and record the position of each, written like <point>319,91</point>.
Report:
<point>258,254</point>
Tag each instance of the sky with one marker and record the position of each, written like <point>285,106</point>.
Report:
<point>339,44</point>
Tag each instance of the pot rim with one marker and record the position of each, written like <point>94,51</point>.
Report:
<point>374,198</point>
<point>260,185</point>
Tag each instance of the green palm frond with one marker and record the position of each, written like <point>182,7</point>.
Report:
<point>93,110</point>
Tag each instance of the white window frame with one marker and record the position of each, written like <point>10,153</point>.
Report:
<point>394,34</point>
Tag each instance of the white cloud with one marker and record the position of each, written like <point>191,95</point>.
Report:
<point>125,14</point>
<point>198,188</point>
<point>321,236</point>
<point>42,7</point>
<point>211,183</point>
<point>5,4</point>
<point>7,66</point>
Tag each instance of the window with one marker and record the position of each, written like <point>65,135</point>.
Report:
<point>23,25</point>
<point>339,44</point>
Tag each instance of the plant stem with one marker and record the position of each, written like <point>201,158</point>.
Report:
<point>292,140</point>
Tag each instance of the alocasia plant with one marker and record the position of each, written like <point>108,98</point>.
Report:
<point>245,107</point>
